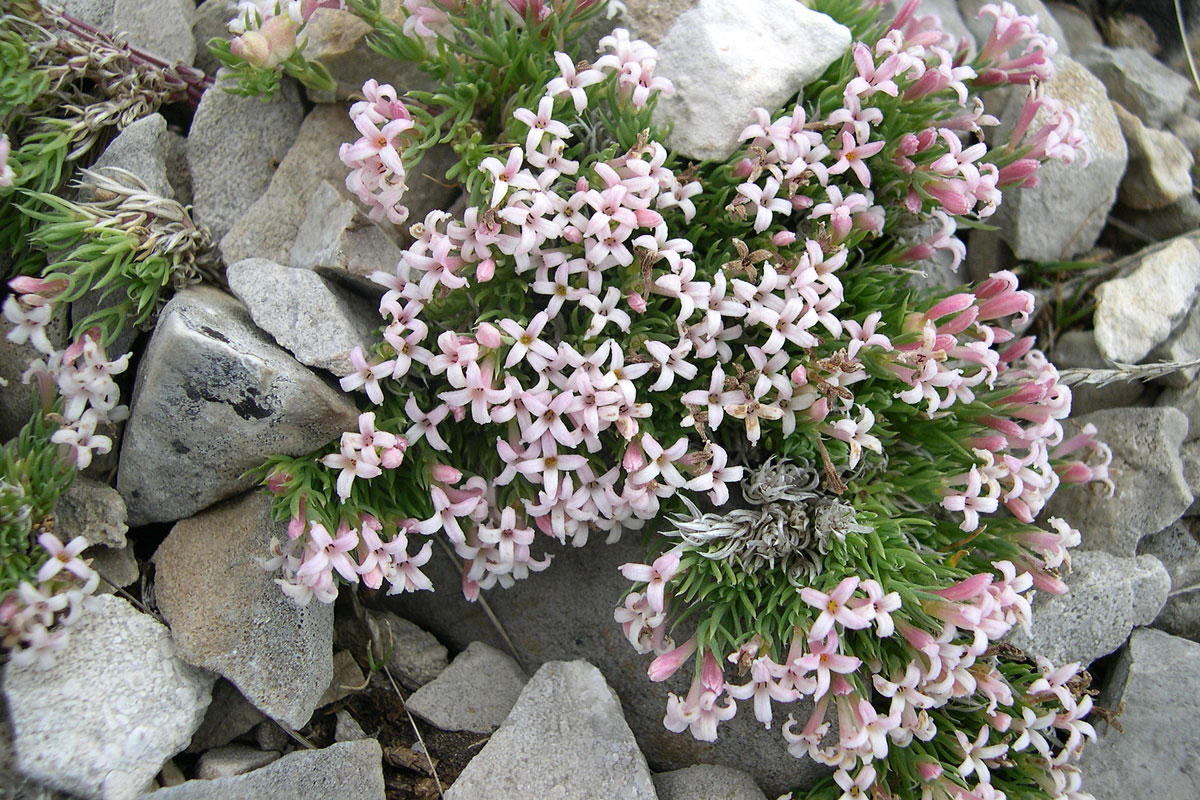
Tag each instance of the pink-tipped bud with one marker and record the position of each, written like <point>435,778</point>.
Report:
<point>459,413</point>
<point>783,238</point>
<point>744,168</point>
<point>444,473</point>
<point>636,302</point>
<point>488,335</point>
<point>929,770</point>
<point>669,662</point>
<point>711,675</point>
<point>966,589</point>
<point>296,526</point>
<point>913,201</point>
<point>951,305</point>
<point>799,375</point>
<point>391,458</point>
<point>648,217</point>
<point>280,33</point>
<point>253,47</point>
<point>485,270</point>
<point>634,458</point>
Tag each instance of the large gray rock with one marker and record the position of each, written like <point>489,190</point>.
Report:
<point>315,321</point>
<point>1078,30</point>
<point>213,397</point>
<point>475,693</point>
<point>1108,596</point>
<point>339,238</point>
<point>233,147</point>
<point>117,566</point>
<point>1159,171</point>
<point>567,612</point>
<point>706,782</point>
<point>1178,548</point>
<point>267,228</point>
<point>565,737</point>
<point>727,59</point>
<point>1181,615</point>
<point>1151,491</point>
<point>143,149</point>
<point>1063,216</point>
<point>1183,345</point>
<point>1137,312</point>
<point>92,510</point>
<point>1139,82</point>
<point>162,27</point>
<point>227,614</point>
<point>116,704</point>
<point>1177,219</point>
<point>346,771</point>
<point>347,679</point>
<point>211,20</point>
<point>1158,677</point>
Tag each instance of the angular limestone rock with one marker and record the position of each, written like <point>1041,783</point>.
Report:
<point>475,693</point>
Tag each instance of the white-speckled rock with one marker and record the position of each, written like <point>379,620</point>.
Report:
<point>213,397</point>
<point>92,510</point>
<point>726,59</point>
<point>566,737</point>
<point>315,321</point>
<point>1136,313</point>
<point>1138,81</point>
<point>475,693</point>
<point>228,615</point>
<point>1108,596</point>
<point>232,759</point>
<point>117,703</point>
<point>1159,171</point>
<point>338,236</point>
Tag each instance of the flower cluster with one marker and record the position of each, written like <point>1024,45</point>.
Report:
<point>266,30</point>
<point>573,353</point>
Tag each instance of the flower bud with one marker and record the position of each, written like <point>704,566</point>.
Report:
<point>253,47</point>
<point>488,335</point>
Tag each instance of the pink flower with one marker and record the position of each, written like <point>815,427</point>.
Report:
<point>864,335</point>
<point>661,462</point>
<point>825,659</point>
<point>669,662</point>
<point>851,156</point>
<point>764,201</point>
<point>63,557</point>
<point>656,576</point>
<point>572,82</point>
<point>325,551</point>
<point>541,123</point>
<point>353,463</point>
<point>425,425</point>
<point>840,210</point>
<point>366,375</point>
<point>834,608</point>
<point>857,788</point>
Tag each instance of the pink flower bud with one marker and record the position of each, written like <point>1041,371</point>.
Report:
<point>712,676</point>
<point>929,770</point>
<point>744,168</point>
<point>966,589</point>
<point>636,302</point>
<point>253,47</point>
<point>391,458</point>
<point>951,305</point>
<point>445,473</point>
<point>488,335</point>
<point>783,238</point>
<point>669,662</point>
<point>280,33</point>
<point>459,413</point>
<point>296,526</point>
<point>648,217</point>
<point>913,202</point>
<point>485,270</point>
<point>799,375</point>
<point>634,458</point>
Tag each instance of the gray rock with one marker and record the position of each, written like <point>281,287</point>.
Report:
<point>315,321</point>
<point>650,19</point>
<point>338,39</point>
<point>1187,128</point>
<point>339,237</point>
<point>565,737</point>
<point>347,679</point>
<point>1178,548</point>
<point>116,704</point>
<point>706,782</point>
<point>233,147</point>
<point>227,614</point>
<point>92,510</point>
<point>270,736</point>
<point>346,770</point>
<point>347,728</point>
<point>1159,171</point>
<point>726,60</point>
<point>1178,218</point>
<point>566,612</point>
<point>229,716</point>
<point>475,693</point>
<point>233,759</point>
<point>414,657</point>
<point>213,397</point>
<point>1078,30</point>
<point>162,27</point>
<point>1108,596</point>
<point>1077,348</point>
<point>117,566</point>
<point>1063,216</point>
<point>1151,491</point>
<point>269,226</point>
<point>1182,345</point>
<point>1158,677</point>
<point>1137,312</point>
<point>211,21</point>
<point>179,175</point>
<point>143,149</point>
<point>1139,82</point>
<point>1181,615</point>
